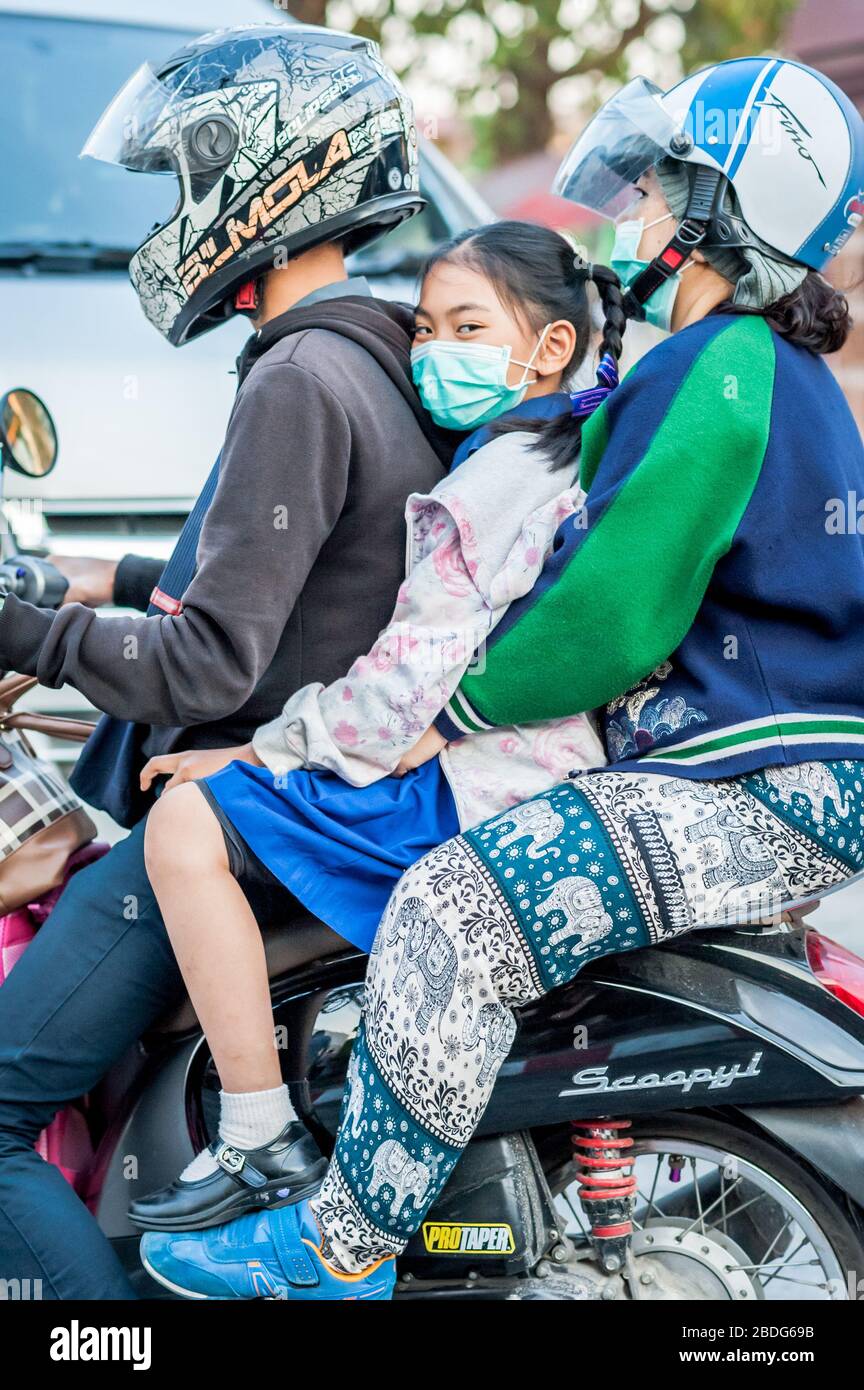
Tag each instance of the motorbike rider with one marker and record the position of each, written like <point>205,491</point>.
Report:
<point>701,599</point>
<point>292,147</point>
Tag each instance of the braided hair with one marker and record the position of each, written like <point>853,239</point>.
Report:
<point>537,275</point>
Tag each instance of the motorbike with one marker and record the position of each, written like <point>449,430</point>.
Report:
<point>683,1122</point>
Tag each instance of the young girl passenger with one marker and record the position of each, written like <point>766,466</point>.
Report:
<point>328,798</point>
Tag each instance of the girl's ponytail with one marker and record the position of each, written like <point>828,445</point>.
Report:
<point>614,318</point>
<point>560,439</point>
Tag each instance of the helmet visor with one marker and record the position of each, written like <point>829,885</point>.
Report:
<point>625,139</point>
<point>155,127</point>
<point>124,133</point>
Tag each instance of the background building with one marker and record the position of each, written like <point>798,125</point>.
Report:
<point>829,35</point>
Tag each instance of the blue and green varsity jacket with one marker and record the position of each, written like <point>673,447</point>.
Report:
<point>709,599</point>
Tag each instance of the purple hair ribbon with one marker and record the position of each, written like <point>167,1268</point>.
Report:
<point>586,402</point>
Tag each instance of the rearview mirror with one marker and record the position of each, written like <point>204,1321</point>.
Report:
<point>28,438</point>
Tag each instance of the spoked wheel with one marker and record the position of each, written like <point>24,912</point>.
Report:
<point>724,1214</point>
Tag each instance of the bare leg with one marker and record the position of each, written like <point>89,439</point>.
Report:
<point>215,938</point>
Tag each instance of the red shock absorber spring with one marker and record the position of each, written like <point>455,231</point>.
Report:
<point>608,1185</point>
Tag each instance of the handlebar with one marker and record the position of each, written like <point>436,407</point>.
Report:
<point>34,580</point>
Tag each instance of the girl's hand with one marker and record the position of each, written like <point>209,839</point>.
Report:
<point>200,762</point>
<point>426,748</point>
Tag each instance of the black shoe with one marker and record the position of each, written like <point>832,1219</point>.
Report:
<point>282,1172</point>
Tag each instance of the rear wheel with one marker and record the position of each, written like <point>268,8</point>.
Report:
<point>723,1214</point>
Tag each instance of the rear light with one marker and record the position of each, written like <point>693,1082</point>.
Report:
<point>840,971</point>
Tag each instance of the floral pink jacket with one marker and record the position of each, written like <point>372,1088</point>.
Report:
<point>475,543</point>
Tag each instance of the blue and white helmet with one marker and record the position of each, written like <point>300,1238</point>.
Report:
<point>786,138</point>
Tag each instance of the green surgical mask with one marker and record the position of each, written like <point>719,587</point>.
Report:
<point>627,265</point>
<point>464,385</point>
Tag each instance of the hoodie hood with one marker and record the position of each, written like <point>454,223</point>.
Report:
<point>386,332</point>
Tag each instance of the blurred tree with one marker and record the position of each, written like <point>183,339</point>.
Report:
<point>304,11</point>
<point>503,60</point>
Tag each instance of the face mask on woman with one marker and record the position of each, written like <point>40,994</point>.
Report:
<point>464,385</point>
<point>627,265</point>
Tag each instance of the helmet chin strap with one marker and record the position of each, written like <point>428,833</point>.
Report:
<point>247,300</point>
<point>691,232</point>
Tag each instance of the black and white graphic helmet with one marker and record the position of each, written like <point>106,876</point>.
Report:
<point>280,137</point>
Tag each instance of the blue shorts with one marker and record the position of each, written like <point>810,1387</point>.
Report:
<point>339,849</point>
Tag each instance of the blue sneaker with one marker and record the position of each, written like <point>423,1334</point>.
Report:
<point>272,1254</point>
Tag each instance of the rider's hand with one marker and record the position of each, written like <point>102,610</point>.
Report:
<point>198,762</point>
<point>426,748</point>
<point>90,581</point>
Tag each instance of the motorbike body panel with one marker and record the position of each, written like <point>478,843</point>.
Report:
<point>830,1138</point>
<point>721,1018</point>
<point>728,1019</point>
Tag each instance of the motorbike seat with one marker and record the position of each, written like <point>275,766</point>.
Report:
<point>303,939</point>
<point>287,946</point>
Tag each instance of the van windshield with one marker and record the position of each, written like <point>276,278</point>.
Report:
<point>58,77</point>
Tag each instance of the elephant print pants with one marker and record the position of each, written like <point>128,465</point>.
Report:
<point>502,914</point>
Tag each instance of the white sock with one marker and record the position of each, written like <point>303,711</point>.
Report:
<point>247,1120</point>
<point>250,1119</point>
